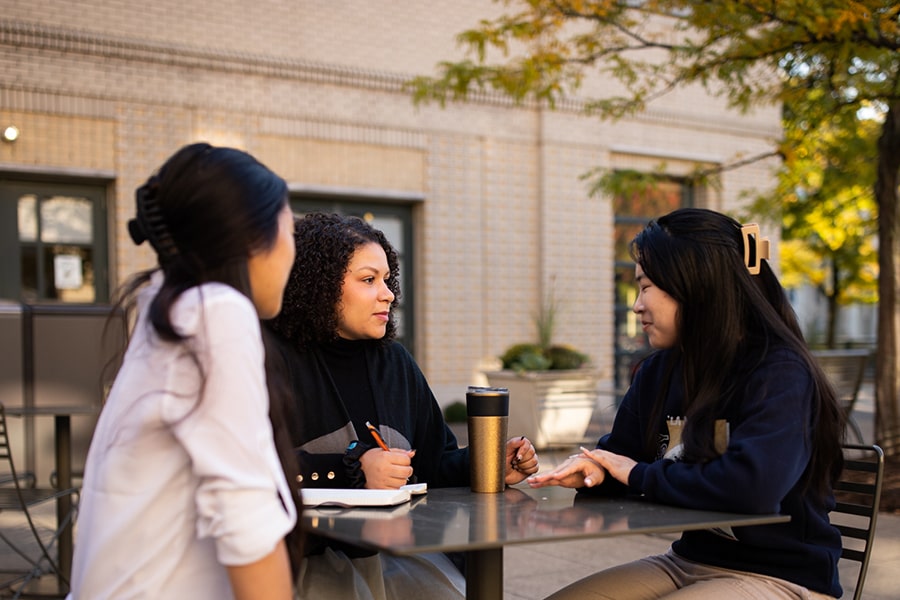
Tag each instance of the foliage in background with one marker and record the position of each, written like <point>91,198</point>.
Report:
<point>826,204</point>
<point>455,412</point>
<point>749,52</point>
<point>544,355</point>
<point>823,202</point>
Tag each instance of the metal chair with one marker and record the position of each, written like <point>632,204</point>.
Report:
<point>845,369</point>
<point>20,494</point>
<point>858,493</point>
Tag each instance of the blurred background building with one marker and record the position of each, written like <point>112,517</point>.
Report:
<point>484,200</point>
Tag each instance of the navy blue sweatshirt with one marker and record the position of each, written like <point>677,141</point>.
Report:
<point>760,472</point>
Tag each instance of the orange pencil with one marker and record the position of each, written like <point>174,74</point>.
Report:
<point>378,439</point>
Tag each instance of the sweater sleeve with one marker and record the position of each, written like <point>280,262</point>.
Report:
<point>242,500</point>
<point>626,438</point>
<point>439,461</point>
<point>323,470</point>
<point>768,451</point>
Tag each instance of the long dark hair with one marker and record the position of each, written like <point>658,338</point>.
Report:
<point>728,319</point>
<point>325,245</point>
<point>204,212</point>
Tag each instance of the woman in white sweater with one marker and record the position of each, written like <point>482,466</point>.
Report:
<point>185,494</point>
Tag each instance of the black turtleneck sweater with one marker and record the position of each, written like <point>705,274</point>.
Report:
<point>341,385</point>
<point>345,361</point>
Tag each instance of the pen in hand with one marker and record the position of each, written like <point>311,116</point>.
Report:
<point>378,439</point>
<point>516,459</point>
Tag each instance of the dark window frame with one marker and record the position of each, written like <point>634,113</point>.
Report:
<point>626,358</point>
<point>14,186</point>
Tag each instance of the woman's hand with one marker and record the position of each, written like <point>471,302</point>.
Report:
<point>387,470</point>
<point>577,471</point>
<point>521,460</point>
<point>617,465</point>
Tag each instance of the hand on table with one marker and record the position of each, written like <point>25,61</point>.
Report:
<point>618,466</point>
<point>577,471</point>
<point>387,469</point>
<point>521,459</point>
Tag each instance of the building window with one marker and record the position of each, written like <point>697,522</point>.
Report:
<point>633,209</point>
<point>54,242</point>
<point>395,220</point>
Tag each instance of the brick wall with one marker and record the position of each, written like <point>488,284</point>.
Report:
<point>314,89</point>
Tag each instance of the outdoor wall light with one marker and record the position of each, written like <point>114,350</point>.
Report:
<point>10,133</point>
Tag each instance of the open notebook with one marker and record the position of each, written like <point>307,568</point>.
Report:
<point>346,497</point>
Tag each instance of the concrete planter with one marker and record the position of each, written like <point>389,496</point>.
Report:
<point>552,408</point>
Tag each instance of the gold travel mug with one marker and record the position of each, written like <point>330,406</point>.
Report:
<point>487,412</point>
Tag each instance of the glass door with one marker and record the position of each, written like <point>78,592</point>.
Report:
<point>54,242</point>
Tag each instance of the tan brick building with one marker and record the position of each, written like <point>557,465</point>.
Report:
<point>486,197</point>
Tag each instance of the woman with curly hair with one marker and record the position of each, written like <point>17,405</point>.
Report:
<point>337,335</point>
<point>731,413</point>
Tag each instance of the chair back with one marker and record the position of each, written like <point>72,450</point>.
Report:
<point>16,497</point>
<point>11,497</point>
<point>845,370</point>
<point>858,494</point>
<point>7,467</point>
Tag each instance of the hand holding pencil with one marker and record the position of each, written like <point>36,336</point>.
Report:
<point>388,469</point>
<point>377,436</point>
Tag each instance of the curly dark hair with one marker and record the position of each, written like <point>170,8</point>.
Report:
<point>325,245</point>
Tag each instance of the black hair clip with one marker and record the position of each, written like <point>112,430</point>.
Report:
<point>137,233</point>
<point>149,224</point>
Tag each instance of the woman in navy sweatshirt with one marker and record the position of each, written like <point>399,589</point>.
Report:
<point>730,413</point>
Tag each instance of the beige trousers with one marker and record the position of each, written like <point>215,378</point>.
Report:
<point>670,577</point>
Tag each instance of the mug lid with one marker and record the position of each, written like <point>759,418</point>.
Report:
<point>487,402</point>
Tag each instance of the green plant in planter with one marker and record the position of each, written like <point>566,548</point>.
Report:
<point>525,357</point>
<point>532,357</point>
<point>565,357</point>
<point>544,355</point>
<point>455,412</point>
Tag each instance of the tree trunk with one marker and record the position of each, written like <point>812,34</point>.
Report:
<point>887,385</point>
